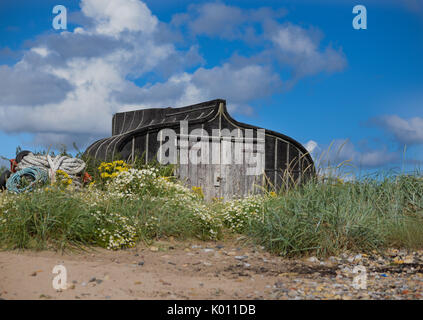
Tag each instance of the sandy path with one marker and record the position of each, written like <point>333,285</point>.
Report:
<point>179,273</point>
<point>170,270</point>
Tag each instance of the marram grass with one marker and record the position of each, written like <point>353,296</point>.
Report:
<point>139,205</point>
<point>327,218</point>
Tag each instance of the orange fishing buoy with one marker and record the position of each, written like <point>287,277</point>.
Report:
<point>13,165</point>
<point>87,177</point>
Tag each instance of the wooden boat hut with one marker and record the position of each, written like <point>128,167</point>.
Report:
<point>213,151</point>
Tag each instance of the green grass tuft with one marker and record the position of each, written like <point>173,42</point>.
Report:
<point>328,218</point>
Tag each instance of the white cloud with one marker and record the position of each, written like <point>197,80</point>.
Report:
<point>311,146</point>
<point>62,88</point>
<point>300,48</point>
<point>69,84</point>
<point>286,43</point>
<point>216,19</point>
<point>239,85</point>
<point>114,17</point>
<point>26,84</point>
<point>294,39</point>
<point>405,131</point>
<point>344,151</point>
<point>42,51</point>
<point>212,19</point>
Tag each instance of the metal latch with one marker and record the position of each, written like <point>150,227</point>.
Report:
<point>217,179</point>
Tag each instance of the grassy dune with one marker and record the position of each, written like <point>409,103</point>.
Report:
<point>321,218</point>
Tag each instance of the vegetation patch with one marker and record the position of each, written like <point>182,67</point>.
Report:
<point>126,204</point>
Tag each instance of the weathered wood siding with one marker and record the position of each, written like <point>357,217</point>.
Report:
<point>136,133</point>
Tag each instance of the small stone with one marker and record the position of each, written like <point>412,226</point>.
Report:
<point>219,246</point>
<point>241,257</point>
<point>328,296</point>
<point>292,293</point>
<point>208,250</point>
<point>141,263</point>
<point>165,283</point>
<point>83,284</point>
<point>332,259</point>
<point>154,249</point>
<point>92,279</point>
<point>98,281</point>
<point>313,260</point>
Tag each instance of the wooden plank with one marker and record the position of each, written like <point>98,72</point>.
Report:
<point>146,148</point>
<point>208,172</point>
<point>237,156</point>
<point>275,167</point>
<point>215,169</point>
<point>133,150</point>
<point>203,168</point>
<point>192,168</point>
<point>249,180</point>
<point>227,179</point>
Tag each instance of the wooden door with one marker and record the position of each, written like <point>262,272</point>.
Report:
<point>226,173</point>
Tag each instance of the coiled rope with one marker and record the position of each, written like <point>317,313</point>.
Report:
<point>72,166</point>
<point>14,182</point>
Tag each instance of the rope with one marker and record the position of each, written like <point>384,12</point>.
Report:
<point>13,183</point>
<point>72,166</point>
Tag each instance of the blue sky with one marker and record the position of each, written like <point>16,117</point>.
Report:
<point>297,67</point>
